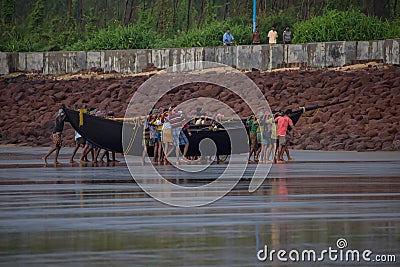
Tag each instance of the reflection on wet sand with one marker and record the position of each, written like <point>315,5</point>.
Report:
<point>100,217</point>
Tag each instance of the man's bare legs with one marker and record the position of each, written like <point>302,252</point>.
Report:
<point>160,152</point>
<point>287,153</point>
<point>252,150</point>
<point>280,154</point>
<point>155,157</point>
<point>85,151</point>
<point>74,153</point>
<point>257,153</point>
<point>177,153</point>
<point>113,157</point>
<point>167,152</point>
<point>272,152</point>
<point>185,150</point>
<point>144,154</point>
<point>55,148</point>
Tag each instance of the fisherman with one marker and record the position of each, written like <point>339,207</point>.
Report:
<point>98,113</point>
<point>110,116</point>
<point>283,123</point>
<point>57,136</point>
<point>79,143</point>
<point>154,134</point>
<point>147,139</point>
<point>270,120</point>
<point>179,138</point>
<point>259,136</point>
<point>266,143</point>
<point>89,146</point>
<point>167,137</point>
<point>252,122</point>
<point>158,152</point>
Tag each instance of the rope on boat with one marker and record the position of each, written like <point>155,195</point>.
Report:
<point>310,115</point>
<point>134,131</point>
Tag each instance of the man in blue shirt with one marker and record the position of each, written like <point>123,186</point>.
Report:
<point>228,39</point>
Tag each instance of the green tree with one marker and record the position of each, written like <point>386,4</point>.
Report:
<point>36,17</point>
<point>7,11</point>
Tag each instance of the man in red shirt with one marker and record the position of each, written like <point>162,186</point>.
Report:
<point>283,123</point>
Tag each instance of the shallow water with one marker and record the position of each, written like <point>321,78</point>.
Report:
<point>88,216</point>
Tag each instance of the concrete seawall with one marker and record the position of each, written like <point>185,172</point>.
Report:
<point>244,57</point>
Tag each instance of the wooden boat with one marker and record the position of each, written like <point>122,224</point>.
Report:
<point>111,135</point>
<point>108,134</point>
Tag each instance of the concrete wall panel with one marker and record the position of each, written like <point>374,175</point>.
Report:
<point>174,56</point>
<point>316,55</point>
<point>334,54</point>
<point>142,58</point>
<point>265,57</point>
<point>396,52</point>
<point>391,51</point>
<point>295,53</point>
<point>376,50</point>
<point>209,54</point>
<point>34,62</point>
<point>4,64</point>
<point>363,52</point>
<point>64,62</point>
<point>226,55</point>
<point>249,56</point>
<point>21,62</point>
<point>350,52</point>
<point>160,58</point>
<point>93,60</point>
<point>276,57</point>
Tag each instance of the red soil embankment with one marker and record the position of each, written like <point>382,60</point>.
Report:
<point>369,121</point>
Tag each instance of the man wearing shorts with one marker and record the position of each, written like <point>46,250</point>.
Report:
<point>178,123</point>
<point>57,137</point>
<point>166,137</point>
<point>79,142</point>
<point>147,142</point>
<point>252,122</point>
<point>283,123</point>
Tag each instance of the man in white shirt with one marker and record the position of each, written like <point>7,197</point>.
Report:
<point>273,36</point>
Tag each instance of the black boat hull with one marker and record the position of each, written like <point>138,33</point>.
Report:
<point>111,135</point>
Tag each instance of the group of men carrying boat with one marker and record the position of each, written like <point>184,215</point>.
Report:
<point>267,133</point>
<point>164,130</point>
<point>80,141</point>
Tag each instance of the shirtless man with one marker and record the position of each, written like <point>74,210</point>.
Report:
<point>57,137</point>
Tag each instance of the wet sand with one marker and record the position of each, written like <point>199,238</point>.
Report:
<point>98,216</point>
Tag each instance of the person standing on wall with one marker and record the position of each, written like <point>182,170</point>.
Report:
<point>256,37</point>
<point>228,39</point>
<point>272,35</point>
<point>287,36</point>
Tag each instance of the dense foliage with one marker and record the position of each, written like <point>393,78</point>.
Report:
<point>52,25</point>
<point>345,26</point>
